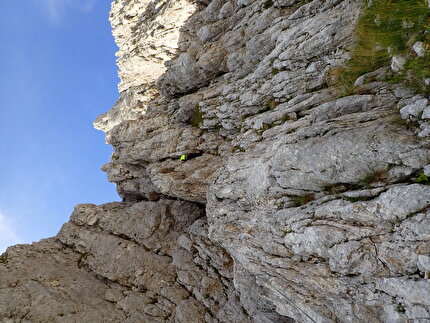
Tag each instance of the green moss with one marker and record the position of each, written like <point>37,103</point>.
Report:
<point>299,200</point>
<point>197,118</point>
<point>422,179</point>
<point>387,25</point>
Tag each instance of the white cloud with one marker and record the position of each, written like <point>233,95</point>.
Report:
<point>57,8</point>
<point>8,237</point>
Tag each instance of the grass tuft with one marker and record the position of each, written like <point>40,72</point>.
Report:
<point>285,117</point>
<point>376,176</point>
<point>386,28</point>
<point>271,104</point>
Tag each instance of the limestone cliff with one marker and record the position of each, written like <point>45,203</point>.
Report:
<point>294,204</point>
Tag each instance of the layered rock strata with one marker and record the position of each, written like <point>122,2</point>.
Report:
<point>293,204</point>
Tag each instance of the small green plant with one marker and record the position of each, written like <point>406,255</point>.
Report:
<point>271,104</point>
<point>400,308</point>
<point>197,118</point>
<point>422,179</point>
<point>275,71</point>
<point>286,117</point>
<point>299,200</point>
<point>3,258</point>
<point>266,126</point>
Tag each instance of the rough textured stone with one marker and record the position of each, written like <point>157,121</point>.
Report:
<point>398,62</point>
<point>419,48</point>
<point>44,283</point>
<point>414,109</point>
<point>292,205</point>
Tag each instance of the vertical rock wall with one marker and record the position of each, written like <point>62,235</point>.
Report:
<point>293,204</point>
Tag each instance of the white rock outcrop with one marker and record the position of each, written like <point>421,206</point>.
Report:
<point>292,204</point>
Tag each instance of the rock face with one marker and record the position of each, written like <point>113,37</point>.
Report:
<point>293,204</point>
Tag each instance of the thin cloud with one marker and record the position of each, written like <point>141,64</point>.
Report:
<point>56,9</point>
<point>8,236</point>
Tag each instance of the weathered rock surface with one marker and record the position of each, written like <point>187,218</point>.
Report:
<point>293,204</point>
<point>141,262</point>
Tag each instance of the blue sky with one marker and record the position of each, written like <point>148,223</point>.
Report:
<point>57,74</point>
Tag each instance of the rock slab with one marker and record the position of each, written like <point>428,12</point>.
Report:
<point>292,204</point>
